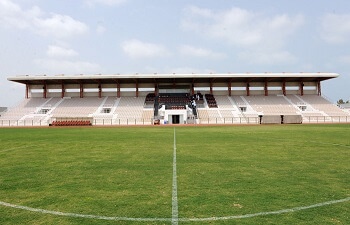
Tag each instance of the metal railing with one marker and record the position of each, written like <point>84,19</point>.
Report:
<point>326,119</point>
<point>96,122</point>
<point>230,120</point>
<point>141,121</point>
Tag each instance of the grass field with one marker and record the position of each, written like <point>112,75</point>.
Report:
<point>290,174</point>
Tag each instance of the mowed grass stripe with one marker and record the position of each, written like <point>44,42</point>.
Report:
<point>221,172</point>
<point>110,172</point>
<point>225,171</point>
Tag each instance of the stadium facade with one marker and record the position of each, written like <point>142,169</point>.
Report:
<point>133,99</point>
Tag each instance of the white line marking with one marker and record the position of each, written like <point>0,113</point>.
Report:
<point>44,211</point>
<point>267,213</point>
<point>175,208</point>
<point>175,219</point>
<point>14,148</point>
<point>171,219</point>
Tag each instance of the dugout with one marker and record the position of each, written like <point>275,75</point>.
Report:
<point>280,119</point>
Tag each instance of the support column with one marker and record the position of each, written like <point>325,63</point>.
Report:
<point>44,90</point>
<point>192,88</point>
<point>247,89</point>
<point>265,89</point>
<point>27,91</point>
<point>211,86</point>
<point>319,93</point>
<point>156,89</point>
<point>229,86</point>
<point>81,90</point>
<point>284,88</point>
<point>99,90</point>
<point>62,90</point>
<point>118,89</point>
<point>301,87</point>
<point>137,88</point>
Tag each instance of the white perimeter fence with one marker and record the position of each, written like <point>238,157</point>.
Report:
<point>133,121</point>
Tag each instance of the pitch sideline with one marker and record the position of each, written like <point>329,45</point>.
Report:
<point>76,215</point>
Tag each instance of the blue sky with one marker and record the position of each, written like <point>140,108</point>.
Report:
<point>163,36</point>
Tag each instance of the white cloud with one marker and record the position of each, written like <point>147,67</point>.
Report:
<point>55,66</point>
<point>34,19</point>
<point>60,52</point>
<point>92,3</point>
<point>256,37</point>
<point>137,49</point>
<point>336,28</point>
<point>241,27</point>
<point>100,29</point>
<point>8,6</point>
<point>11,15</point>
<point>199,52</point>
<point>269,58</point>
<point>59,26</point>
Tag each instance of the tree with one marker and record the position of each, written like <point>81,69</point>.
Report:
<point>340,101</point>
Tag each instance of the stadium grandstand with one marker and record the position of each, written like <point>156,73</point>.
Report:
<point>152,99</point>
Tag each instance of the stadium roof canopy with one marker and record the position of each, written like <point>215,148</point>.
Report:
<point>174,78</point>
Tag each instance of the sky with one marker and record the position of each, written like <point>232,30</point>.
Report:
<point>53,37</point>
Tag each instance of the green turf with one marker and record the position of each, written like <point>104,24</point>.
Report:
<point>222,171</point>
